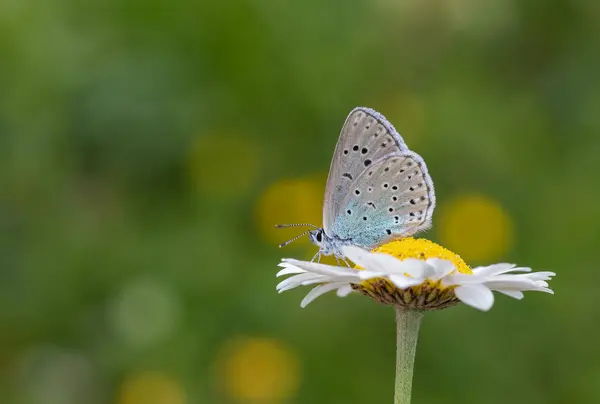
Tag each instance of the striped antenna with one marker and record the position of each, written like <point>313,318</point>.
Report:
<point>283,226</point>
<point>294,239</point>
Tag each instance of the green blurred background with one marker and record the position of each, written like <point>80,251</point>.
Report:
<point>147,148</point>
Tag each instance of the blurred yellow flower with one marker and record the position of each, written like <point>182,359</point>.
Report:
<point>476,226</point>
<point>151,388</point>
<point>223,166</point>
<point>258,370</point>
<point>290,201</point>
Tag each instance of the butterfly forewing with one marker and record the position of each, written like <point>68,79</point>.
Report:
<point>393,197</point>
<point>366,137</point>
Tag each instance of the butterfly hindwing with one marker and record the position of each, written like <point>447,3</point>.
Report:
<point>393,197</point>
<point>366,137</point>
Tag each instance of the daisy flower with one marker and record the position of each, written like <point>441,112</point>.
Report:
<point>414,276</point>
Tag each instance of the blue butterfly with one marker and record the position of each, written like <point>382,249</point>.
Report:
<point>377,189</point>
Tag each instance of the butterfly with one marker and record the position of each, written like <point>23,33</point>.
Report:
<point>377,189</point>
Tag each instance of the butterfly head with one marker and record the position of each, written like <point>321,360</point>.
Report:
<point>327,245</point>
<point>317,237</point>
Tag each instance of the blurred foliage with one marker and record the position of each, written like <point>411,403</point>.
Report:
<point>146,148</point>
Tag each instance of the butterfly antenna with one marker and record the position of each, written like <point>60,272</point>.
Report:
<point>283,226</point>
<point>294,239</point>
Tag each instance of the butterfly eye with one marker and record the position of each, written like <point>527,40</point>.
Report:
<point>319,237</point>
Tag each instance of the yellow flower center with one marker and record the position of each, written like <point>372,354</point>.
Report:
<point>430,295</point>
<point>422,249</point>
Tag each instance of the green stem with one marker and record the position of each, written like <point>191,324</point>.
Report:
<point>407,329</point>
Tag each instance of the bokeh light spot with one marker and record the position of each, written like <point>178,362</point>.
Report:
<point>258,370</point>
<point>290,201</point>
<point>151,388</point>
<point>476,227</point>
<point>223,166</point>
<point>144,313</point>
<point>491,17</point>
<point>52,375</point>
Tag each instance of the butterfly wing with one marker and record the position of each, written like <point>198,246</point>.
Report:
<point>365,138</point>
<point>393,197</point>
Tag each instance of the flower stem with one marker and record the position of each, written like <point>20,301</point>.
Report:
<point>407,329</point>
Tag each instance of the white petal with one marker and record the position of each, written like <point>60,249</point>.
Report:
<point>344,279</point>
<point>477,296</point>
<point>540,276</point>
<point>379,262</point>
<point>288,270</point>
<point>515,282</point>
<point>513,293</point>
<point>365,274</point>
<point>359,256</point>
<point>404,282</point>
<point>441,268</point>
<point>518,269</point>
<point>298,280</point>
<point>411,266</point>
<point>510,284</point>
<point>318,291</point>
<point>322,269</point>
<point>493,269</point>
<point>461,279</point>
<point>344,291</point>
<point>428,271</point>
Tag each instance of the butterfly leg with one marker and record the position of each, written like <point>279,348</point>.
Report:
<point>318,254</point>
<point>346,261</point>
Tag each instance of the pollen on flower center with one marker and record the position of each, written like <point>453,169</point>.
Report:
<point>429,295</point>
<point>422,249</point>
